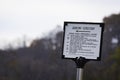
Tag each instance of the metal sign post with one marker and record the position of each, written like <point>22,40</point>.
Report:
<point>82,42</point>
<point>80,63</point>
<point>79,74</point>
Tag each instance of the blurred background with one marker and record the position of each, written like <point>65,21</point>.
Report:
<point>31,34</point>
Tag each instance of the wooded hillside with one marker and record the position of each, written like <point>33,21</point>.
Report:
<point>42,60</point>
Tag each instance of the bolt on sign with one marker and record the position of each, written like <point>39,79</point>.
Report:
<point>82,39</point>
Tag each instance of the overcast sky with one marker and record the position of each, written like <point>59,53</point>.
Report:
<point>33,18</point>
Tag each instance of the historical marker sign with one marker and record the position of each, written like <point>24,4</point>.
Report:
<point>82,39</point>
